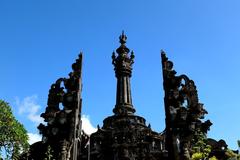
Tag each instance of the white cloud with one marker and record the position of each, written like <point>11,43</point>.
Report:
<point>33,137</point>
<point>87,127</point>
<point>30,108</point>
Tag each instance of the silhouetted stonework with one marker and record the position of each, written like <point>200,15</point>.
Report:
<point>183,112</point>
<point>62,115</point>
<point>124,135</point>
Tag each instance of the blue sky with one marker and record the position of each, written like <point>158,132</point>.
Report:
<point>39,40</point>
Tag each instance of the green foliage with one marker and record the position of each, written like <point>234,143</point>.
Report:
<point>231,155</point>
<point>201,156</point>
<point>49,154</point>
<point>213,158</point>
<point>13,135</point>
<point>200,149</point>
<point>197,156</point>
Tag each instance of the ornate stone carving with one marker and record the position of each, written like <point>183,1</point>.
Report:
<point>183,112</point>
<point>123,71</point>
<point>63,128</point>
<point>124,136</point>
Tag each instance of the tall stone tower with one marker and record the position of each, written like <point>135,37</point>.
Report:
<point>124,135</point>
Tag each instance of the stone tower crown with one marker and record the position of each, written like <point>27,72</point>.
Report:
<point>123,71</point>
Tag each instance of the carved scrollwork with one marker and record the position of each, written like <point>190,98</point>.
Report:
<point>63,103</point>
<point>183,110</point>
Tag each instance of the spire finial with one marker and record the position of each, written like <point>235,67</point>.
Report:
<point>123,38</point>
<point>122,50</point>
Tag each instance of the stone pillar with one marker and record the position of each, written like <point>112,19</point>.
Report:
<point>123,71</point>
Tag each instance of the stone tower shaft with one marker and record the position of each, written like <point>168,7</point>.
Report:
<point>123,71</point>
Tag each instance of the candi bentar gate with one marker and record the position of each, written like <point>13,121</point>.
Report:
<point>124,135</point>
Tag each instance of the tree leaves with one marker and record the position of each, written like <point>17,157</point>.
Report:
<point>13,135</point>
<point>200,149</point>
